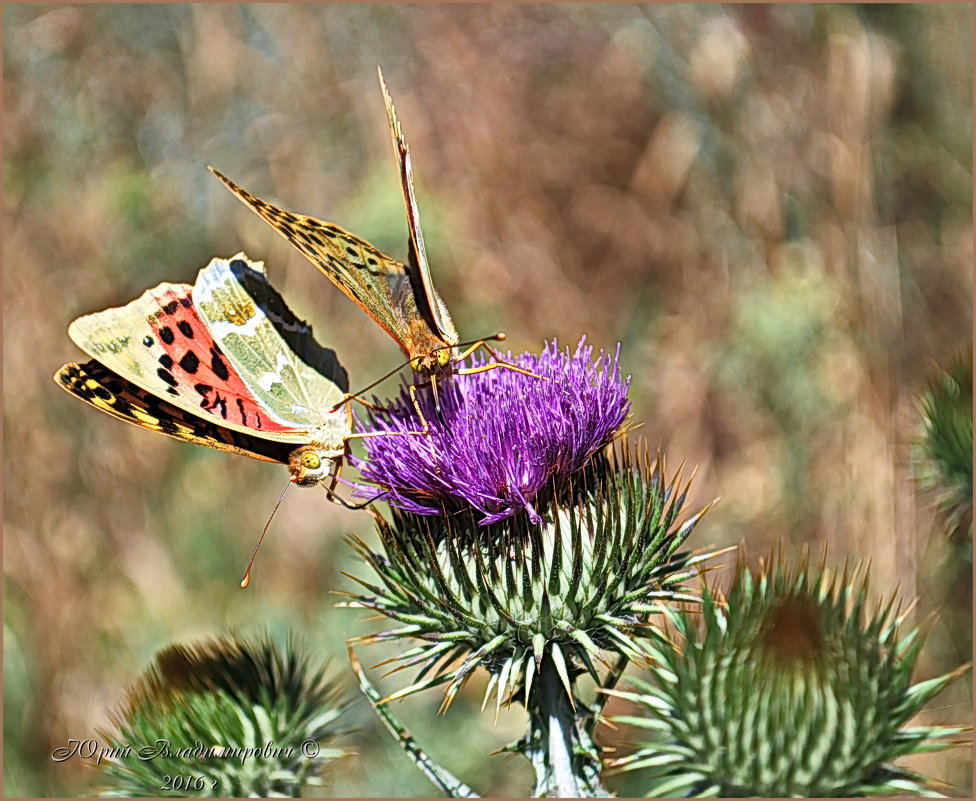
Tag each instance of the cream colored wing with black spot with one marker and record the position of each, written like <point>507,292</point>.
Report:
<point>214,350</point>
<point>287,372</point>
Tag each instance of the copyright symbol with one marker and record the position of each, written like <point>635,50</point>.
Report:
<point>310,749</point>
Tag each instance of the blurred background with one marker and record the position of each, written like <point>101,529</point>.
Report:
<point>769,207</point>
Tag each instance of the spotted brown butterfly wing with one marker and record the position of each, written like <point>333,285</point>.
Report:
<point>401,298</point>
<point>224,363</point>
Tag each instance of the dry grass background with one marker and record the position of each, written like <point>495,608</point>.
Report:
<point>768,206</point>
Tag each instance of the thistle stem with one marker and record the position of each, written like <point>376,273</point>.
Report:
<point>559,721</point>
<point>566,762</point>
<point>442,779</point>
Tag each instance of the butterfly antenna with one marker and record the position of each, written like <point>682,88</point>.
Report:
<point>247,575</point>
<point>501,336</point>
<point>355,395</point>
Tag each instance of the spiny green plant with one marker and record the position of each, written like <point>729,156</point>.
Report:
<point>537,606</point>
<point>945,451</point>
<point>792,685</point>
<point>226,717</point>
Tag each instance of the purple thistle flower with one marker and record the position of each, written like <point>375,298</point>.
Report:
<point>500,436</point>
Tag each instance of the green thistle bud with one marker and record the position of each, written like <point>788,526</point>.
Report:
<point>227,717</point>
<point>792,687</point>
<point>509,596</point>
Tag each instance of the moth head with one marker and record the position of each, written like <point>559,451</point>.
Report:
<point>311,464</point>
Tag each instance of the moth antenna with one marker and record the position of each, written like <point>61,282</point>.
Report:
<point>247,575</point>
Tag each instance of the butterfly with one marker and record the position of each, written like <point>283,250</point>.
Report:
<point>224,364</point>
<point>400,297</point>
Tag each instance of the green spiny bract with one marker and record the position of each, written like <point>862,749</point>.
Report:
<point>508,595</point>
<point>945,463</point>
<point>227,717</point>
<point>791,687</point>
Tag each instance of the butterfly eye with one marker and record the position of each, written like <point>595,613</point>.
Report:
<point>311,460</point>
<point>444,356</point>
<point>415,365</point>
<point>311,464</point>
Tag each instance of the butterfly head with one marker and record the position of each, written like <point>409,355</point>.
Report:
<point>437,362</point>
<point>312,464</point>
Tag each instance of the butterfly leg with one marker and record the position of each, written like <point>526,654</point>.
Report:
<point>386,410</point>
<point>330,488</point>
<point>499,362</point>
<point>389,434</point>
<point>334,478</point>
<point>370,434</point>
<point>347,402</point>
<point>338,499</point>
<point>494,365</point>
